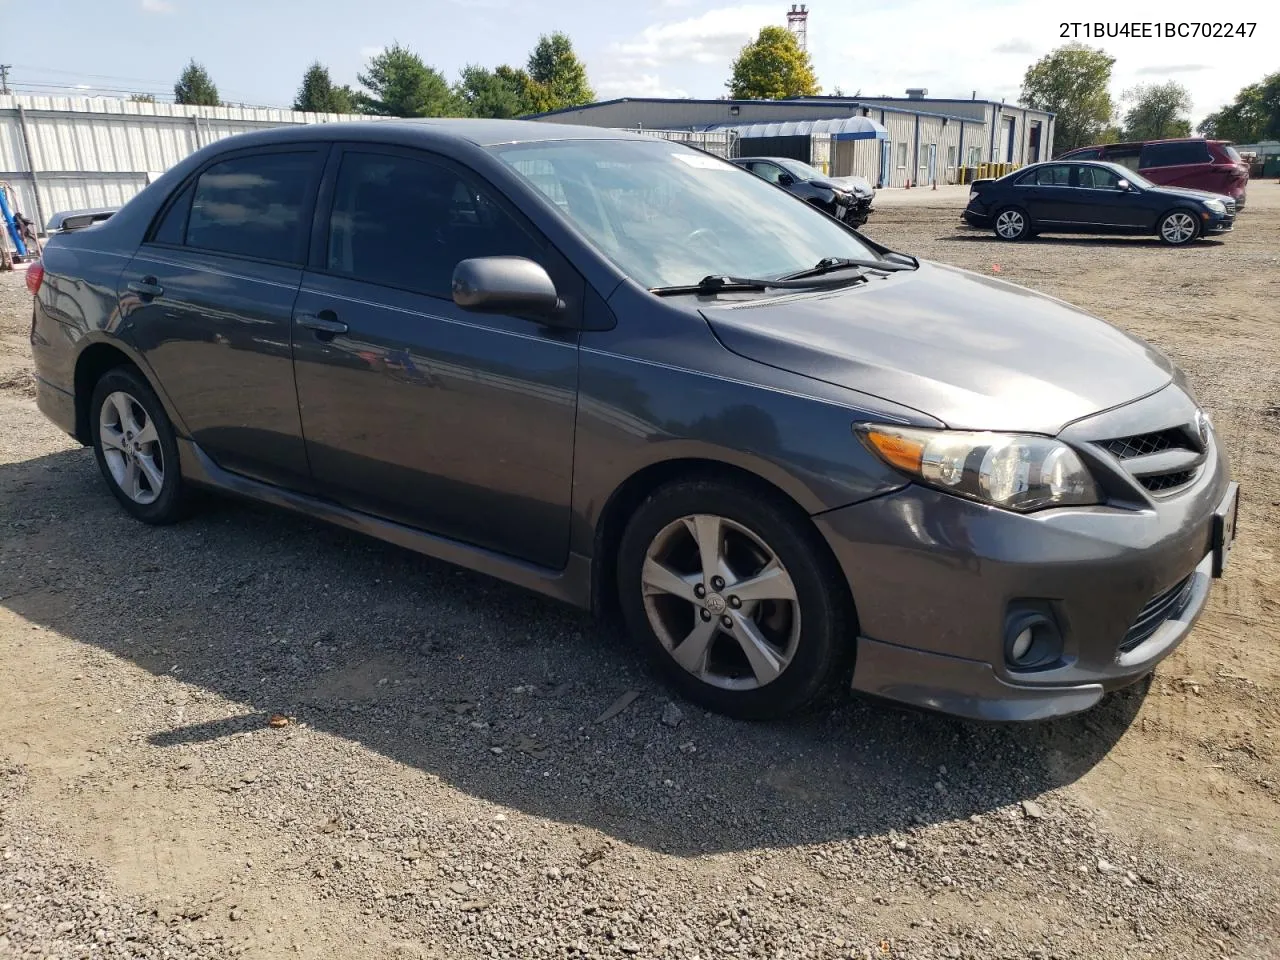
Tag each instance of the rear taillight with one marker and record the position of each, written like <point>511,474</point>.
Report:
<point>35,276</point>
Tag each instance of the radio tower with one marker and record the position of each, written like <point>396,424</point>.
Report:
<point>798,24</point>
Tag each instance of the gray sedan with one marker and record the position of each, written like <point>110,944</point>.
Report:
<point>629,375</point>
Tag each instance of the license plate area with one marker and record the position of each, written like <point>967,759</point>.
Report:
<point>1224,528</point>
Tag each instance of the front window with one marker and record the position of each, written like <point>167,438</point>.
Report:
<point>1133,176</point>
<point>669,216</point>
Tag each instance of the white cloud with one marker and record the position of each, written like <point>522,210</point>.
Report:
<point>1160,70</point>
<point>713,37</point>
<point>157,6</point>
<point>1014,46</point>
<point>644,85</point>
<point>368,52</point>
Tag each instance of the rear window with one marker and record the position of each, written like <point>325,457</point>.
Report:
<point>1126,156</point>
<point>1174,154</point>
<point>255,206</point>
<point>1231,152</point>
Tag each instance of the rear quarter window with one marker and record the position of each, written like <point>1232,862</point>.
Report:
<point>1174,154</point>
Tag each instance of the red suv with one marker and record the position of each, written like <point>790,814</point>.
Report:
<point>1196,163</point>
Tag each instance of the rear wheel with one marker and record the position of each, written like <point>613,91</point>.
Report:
<point>732,598</point>
<point>1178,227</point>
<point>1011,223</point>
<point>135,446</point>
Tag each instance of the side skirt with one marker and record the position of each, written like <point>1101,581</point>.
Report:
<point>571,585</point>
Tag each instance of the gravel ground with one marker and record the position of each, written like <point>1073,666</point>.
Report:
<point>254,735</point>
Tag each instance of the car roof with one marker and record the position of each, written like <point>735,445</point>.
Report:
<point>1143,143</point>
<point>481,132</point>
<point>770,159</point>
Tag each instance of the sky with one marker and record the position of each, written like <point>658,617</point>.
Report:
<point>257,50</point>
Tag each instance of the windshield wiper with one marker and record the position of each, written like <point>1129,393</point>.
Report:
<point>831,264</point>
<point>713,284</point>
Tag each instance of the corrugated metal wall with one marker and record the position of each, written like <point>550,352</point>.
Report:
<point>99,152</point>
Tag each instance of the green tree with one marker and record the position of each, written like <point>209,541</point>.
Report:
<point>1158,112</point>
<point>771,67</point>
<point>400,84</point>
<point>1254,114</point>
<point>195,88</point>
<point>502,92</point>
<point>1072,82</point>
<point>318,94</point>
<point>557,78</point>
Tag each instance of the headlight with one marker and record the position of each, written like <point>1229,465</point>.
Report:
<point>1217,206</point>
<point>1016,471</point>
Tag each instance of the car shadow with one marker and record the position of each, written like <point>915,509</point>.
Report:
<point>494,690</point>
<point>1128,243</point>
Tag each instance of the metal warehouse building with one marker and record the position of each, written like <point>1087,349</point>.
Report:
<point>892,141</point>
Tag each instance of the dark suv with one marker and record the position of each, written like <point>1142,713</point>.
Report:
<point>1200,164</point>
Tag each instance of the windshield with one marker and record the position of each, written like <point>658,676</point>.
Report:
<point>801,171</point>
<point>668,215</point>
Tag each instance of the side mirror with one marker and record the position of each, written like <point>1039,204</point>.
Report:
<point>504,285</point>
<point>1124,185</point>
<point>786,180</point>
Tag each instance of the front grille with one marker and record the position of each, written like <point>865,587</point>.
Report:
<point>1173,440</point>
<point>1162,607</point>
<point>1142,444</point>
<point>1164,482</point>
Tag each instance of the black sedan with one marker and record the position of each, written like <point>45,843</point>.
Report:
<point>845,198</point>
<point>1082,197</point>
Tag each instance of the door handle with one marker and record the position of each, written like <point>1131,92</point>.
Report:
<point>146,287</point>
<point>325,323</point>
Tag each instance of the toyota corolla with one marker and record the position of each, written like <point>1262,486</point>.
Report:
<point>631,376</point>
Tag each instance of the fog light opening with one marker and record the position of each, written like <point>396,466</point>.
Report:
<point>1032,640</point>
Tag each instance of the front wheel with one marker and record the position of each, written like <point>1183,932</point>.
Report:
<point>733,599</point>
<point>1012,224</point>
<point>1178,228</point>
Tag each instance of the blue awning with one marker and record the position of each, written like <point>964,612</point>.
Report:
<point>840,128</point>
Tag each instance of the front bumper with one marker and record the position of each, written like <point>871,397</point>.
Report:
<point>935,578</point>
<point>1219,224</point>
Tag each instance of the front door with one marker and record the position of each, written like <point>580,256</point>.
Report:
<point>1103,202</point>
<point>933,163</point>
<point>208,300</point>
<point>886,163</point>
<point>414,409</point>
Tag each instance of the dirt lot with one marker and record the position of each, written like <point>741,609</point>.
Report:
<point>447,789</point>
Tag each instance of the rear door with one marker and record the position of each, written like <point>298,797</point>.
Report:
<point>208,300</point>
<point>1046,192</point>
<point>1178,163</point>
<point>414,409</point>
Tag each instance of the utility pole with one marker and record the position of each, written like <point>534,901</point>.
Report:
<point>4,78</point>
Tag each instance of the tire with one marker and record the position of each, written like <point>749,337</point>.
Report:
<point>1014,222</point>
<point>134,442</point>
<point>1177,228</point>
<point>808,636</point>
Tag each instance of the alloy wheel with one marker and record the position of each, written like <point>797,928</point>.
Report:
<point>1010,224</point>
<point>1178,228</point>
<point>721,602</point>
<point>131,448</point>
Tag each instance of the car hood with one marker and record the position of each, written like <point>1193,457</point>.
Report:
<point>972,351</point>
<point>1189,192</point>
<point>860,184</point>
